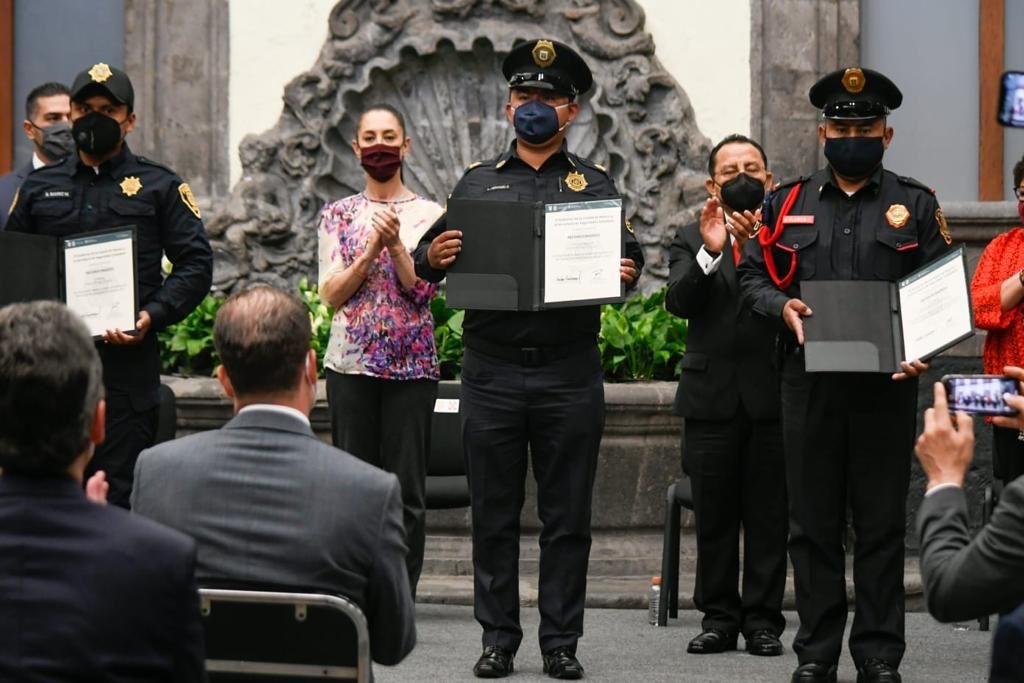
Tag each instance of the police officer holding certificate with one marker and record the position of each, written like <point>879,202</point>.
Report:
<point>531,381</point>
<point>845,434</point>
<point>105,186</point>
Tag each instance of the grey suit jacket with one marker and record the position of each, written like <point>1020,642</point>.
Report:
<point>963,577</point>
<point>268,503</point>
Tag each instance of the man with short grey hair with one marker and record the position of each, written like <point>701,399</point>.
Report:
<point>88,591</point>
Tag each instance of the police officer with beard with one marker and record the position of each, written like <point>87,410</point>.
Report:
<point>531,380</point>
<point>847,436</point>
<point>106,186</point>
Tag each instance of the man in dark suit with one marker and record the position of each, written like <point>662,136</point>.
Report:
<point>268,503</point>
<point>47,109</point>
<point>967,577</point>
<point>87,591</point>
<point>728,397</point>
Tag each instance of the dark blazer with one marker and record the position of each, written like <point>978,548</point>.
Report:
<point>270,504</point>
<point>92,593</point>
<point>967,577</point>
<point>9,184</point>
<point>1008,649</point>
<point>730,351</point>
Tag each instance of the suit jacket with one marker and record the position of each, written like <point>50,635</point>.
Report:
<point>92,593</point>
<point>1008,648</point>
<point>269,504</point>
<point>730,350</point>
<point>9,184</point>
<point>968,577</point>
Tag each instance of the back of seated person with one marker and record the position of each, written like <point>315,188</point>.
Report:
<point>87,592</point>
<point>267,502</point>
<point>1008,648</point>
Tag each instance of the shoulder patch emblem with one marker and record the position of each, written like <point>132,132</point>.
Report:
<point>576,181</point>
<point>131,186</point>
<point>940,218</point>
<point>186,197</point>
<point>14,202</point>
<point>629,227</point>
<point>897,215</point>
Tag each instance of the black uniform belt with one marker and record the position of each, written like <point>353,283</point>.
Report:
<point>530,356</point>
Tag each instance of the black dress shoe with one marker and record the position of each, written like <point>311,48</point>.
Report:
<point>814,672</point>
<point>711,641</point>
<point>562,663</point>
<point>877,671</point>
<point>495,662</point>
<point>763,643</point>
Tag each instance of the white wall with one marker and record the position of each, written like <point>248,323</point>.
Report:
<point>272,41</point>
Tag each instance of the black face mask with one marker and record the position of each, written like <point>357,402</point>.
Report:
<point>743,193</point>
<point>96,134</point>
<point>854,158</point>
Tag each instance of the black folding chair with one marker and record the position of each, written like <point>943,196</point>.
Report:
<point>678,496</point>
<point>283,637</point>
<point>447,485</point>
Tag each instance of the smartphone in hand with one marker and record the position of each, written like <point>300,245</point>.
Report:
<point>980,394</point>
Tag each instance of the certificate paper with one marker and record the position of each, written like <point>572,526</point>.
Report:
<point>99,279</point>
<point>582,250</point>
<point>935,306</point>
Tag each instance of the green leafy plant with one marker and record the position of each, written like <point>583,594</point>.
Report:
<point>640,340</point>
<point>447,337</point>
<point>320,316</point>
<point>186,348</point>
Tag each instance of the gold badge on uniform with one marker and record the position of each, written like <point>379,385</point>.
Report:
<point>186,196</point>
<point>897,215</point>
<point>940,218</point>
<point>100,72</point>
<point>14,202</point>
<point>575,181</point>
<point>543,54</point>
<point>853,80</point>
<point>131,186</point>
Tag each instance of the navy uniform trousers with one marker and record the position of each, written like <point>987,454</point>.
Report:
<point>554,412</point>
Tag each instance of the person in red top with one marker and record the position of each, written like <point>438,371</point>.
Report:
<point>997,291</point>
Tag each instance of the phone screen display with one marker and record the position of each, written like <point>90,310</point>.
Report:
<point>1011,99</point>
<point>981,394</point>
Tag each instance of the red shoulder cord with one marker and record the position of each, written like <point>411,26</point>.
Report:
<point>769,237</point>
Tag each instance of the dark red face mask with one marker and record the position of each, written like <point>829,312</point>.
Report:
<point>381,162</point>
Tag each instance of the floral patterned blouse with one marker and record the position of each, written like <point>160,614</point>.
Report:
<point>383,330</point>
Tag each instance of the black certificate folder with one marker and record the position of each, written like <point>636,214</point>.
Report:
<point>870,326</point>
<point>531,256</point>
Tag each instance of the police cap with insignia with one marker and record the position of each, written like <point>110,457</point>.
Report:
<point>548,65</point>
<point>104,80</point>
<point>855,93</point>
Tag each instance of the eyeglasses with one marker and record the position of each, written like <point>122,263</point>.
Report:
<point>1018,192</point>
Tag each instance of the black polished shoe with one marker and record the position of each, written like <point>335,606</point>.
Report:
<point>877,671</point>
<point>711,641</point>
<point>562,663</point>
<point>763,643</point>
<point>495,662</point>
<point>814,672</point>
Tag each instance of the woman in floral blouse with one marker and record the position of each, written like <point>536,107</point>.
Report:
<point>381,364</point>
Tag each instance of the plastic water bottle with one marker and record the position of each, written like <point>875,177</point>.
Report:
<point>654,600</point>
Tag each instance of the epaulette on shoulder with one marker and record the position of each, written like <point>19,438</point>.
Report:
<point>907,180</point>
<point>481,164</point>
<point>590,164</point>
<point>150,162</point>
<point>791,182</point>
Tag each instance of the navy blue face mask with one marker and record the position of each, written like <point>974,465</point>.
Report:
<point>536,122</point>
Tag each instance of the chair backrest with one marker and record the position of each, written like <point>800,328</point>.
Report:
<point>447,486</point>
<point>283,637</point>
<point>167,415</point>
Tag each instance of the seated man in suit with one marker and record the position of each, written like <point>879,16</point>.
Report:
<point>967,577</point>
<point>268,503</point>
<point>87,591</point>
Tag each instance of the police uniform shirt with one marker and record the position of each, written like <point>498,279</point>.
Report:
<point>563,177</point>
<point>70,197</point>
<point>885,230</point>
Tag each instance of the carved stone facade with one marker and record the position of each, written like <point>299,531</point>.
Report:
<point>438,62</point>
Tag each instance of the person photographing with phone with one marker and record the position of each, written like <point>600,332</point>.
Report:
<point>997,292</point>
<point>966,577</point>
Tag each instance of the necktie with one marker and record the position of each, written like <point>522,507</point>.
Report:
<point>736,252</point>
